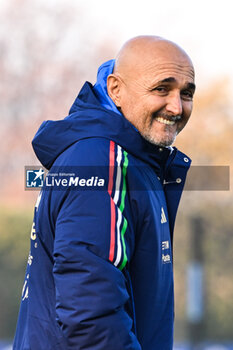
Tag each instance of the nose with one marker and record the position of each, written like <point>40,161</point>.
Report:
<point>174,104</point>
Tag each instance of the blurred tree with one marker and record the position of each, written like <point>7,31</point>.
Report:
<point>218,252</point>
<point>46,54</point>
<point>207,137</point>
<point>14,248</point>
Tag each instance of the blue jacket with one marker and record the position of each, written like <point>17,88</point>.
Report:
<point>99,273</point>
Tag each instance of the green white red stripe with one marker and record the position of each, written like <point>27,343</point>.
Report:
<point>117,192</point>
<point>110,187</point>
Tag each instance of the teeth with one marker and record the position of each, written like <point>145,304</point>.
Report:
<point>165,121</point>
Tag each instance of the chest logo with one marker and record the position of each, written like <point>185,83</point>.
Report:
<point>166,258</point>
<point>163,216</point>
<point>165,245</point>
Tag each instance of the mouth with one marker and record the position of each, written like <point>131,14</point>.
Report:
<point>166,121</point>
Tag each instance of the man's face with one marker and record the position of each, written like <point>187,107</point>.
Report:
<point>157,98</point>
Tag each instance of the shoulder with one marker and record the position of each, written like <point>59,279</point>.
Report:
<point>94,151</point>
<point>100,157</point>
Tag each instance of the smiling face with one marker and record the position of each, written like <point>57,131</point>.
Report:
<point>155,91</point>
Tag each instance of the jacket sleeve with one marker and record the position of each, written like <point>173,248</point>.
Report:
<point>89,255</point>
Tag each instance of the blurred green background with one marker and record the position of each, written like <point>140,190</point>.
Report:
<point>47,51</point>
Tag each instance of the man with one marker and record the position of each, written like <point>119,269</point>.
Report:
<point>100,273</point>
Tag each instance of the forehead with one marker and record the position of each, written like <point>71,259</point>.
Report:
<point>158,71</point>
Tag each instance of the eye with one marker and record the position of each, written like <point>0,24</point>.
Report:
<point>161,89</point>
<point>187,94</point>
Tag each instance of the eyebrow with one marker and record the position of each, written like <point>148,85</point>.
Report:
<point>191,86</point>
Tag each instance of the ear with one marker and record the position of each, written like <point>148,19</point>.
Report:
<point>114,88</point>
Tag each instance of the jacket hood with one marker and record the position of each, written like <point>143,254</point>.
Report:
<point>100,87</point>
<point>93,114</point>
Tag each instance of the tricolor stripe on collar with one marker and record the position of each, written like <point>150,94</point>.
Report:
<point>117,192</point>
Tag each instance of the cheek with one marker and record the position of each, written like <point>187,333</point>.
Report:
<point>185,119</point>
<point>187,110</point>
<point>132,108</point>
<point>127,102</point>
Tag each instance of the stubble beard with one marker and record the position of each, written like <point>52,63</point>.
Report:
<point>160,138</point>
<point>164,141</point>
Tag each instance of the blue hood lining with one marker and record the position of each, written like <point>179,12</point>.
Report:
<point>100,87</point>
